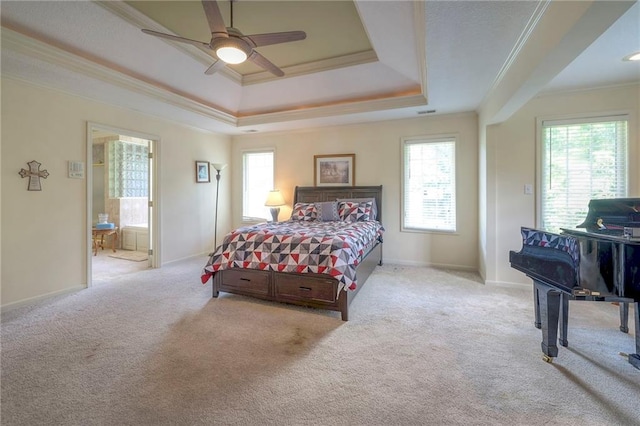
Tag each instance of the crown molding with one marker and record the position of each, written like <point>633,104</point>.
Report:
<point>313,67</point>
<point>420,31</point>
<point>607,86</point>
<point>17,42</point>
<point>537,15</point>
<point>357,107</point>
<point>22,44</point>
<point>204,56</point>
<point>140,20</point>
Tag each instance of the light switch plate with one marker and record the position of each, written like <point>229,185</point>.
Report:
<point>528,189</point>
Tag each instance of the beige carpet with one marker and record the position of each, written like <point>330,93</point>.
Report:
<point>423,347</point>
<point>135,256</point>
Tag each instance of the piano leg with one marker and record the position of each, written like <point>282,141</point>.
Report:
<point>624,317</point>
<point>549,299</point>
<point>634,359</point>
<point>564,319</point>
<point>536,308</point>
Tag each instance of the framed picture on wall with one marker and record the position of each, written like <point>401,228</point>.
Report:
<point>334,170</point>
<point>202,172</point>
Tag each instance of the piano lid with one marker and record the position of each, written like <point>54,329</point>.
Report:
<point>612,214</point>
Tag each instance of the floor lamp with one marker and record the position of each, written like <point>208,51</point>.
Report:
<point>218,167</point>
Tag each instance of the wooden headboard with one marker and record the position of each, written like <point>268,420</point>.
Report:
<point>310,194</point>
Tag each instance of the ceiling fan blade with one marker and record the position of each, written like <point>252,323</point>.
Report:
<point>275,38</point>
<point>260,60</point>
<point>176,38</point>
<point>216,66</point>
<point>214,17</point>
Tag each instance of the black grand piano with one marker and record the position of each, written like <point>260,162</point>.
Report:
<point>598,261</point>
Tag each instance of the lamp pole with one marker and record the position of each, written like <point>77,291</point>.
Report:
<point>218,168</point>
<point>215,225</point>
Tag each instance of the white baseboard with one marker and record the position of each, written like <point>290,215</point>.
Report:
<point>206,254</point>
<point>404,262</point>
<point>35,299</point>
<point>507,284</point>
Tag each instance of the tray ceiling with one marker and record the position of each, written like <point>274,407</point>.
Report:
<point>361,61</point>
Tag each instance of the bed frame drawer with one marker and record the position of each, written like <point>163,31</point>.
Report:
<point>245,281</point>
<point>291,287</point>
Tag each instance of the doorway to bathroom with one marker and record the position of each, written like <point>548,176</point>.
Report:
<point>121,196</point>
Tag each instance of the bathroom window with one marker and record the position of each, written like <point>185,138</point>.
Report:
<point>128,170</point>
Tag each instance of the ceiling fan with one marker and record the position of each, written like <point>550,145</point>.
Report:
<point>230,46</point>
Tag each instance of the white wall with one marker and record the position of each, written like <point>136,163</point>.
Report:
<point>44,233</point>
<point>378,161</point>
<point>513,145</point>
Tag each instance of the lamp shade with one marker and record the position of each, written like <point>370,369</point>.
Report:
<point>274,199</point>
<point>218,166</point>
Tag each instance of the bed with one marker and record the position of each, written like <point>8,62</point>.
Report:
<point>306,260</point>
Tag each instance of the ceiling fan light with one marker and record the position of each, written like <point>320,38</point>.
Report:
<point>231,55</point>
<point>632,57</point>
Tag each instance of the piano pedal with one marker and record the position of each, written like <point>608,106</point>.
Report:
<point>548,359</point>
<point>578,292</point>
<point>624,355</point>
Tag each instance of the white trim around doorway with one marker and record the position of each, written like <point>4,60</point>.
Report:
<point>154,259</point>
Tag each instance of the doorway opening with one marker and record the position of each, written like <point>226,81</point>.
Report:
<point>121,196</point>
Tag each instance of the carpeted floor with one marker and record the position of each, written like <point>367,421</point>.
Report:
<point>106,269</point>
<point>423,347</point>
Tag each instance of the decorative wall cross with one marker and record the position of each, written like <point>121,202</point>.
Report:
<point>34,174</point>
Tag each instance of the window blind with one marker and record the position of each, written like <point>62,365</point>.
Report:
<point>429,184</point>
<point>257,181</point>
<point>581,159</point>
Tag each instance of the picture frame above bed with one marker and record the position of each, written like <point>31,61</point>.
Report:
<point>334,170</point>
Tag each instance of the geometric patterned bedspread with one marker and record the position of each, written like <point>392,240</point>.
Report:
<point>334,248</point>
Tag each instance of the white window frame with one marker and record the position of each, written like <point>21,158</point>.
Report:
<point>266,216</point>
<point>576,119</point>
<point>428,139</point>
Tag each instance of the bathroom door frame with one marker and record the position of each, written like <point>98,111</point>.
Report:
<point>154,193</point>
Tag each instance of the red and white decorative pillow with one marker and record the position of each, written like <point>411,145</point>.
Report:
<point>304,211</point>
<point>350,211</point>
<point>374,207</point>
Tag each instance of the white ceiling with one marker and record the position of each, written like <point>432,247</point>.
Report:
<point>447,56</point>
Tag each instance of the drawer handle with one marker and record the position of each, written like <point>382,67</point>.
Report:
<point>305,288</point>
<point>245,279</point>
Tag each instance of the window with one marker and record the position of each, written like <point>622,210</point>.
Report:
<point>581,159</point>
<point>128,169</point>
<point>257,181</point>
<point>429,184</point>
